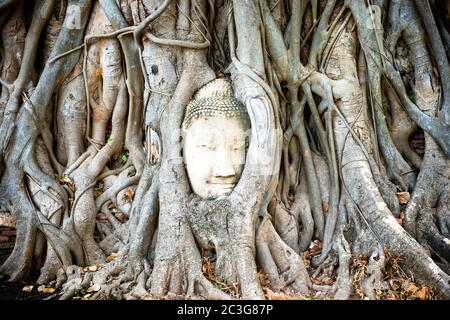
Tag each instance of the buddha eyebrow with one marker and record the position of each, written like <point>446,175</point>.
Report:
<point>209,142</point>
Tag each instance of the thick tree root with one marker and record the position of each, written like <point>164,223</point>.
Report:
<point>284,267</point>
<point>142,64</point>
<point>342,287</point>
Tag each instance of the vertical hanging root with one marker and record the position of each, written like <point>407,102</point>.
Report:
<point>312,181</point>
<point>285,224</point>
<point>177,262</point>
<point>301,209</point>
<point>428,233</point>
<point>401,128</point>
<point>141,235</point>
<point>341,254</point>
<point>343,286</point>
<point>18,263</point>
<point>427,214</point>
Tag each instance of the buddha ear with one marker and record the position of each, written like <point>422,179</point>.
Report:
<point>260,120</point>
<point>247,141</point>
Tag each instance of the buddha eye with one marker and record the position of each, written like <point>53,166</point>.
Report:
<point>207,147</point>
<point>240,145</point>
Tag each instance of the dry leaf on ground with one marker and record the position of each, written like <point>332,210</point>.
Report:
<point>403,197</point>
<point>28,288</point>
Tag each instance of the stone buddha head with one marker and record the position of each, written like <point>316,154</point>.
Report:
<point>216,134</point>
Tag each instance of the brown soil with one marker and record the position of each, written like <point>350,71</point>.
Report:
<point>14,290</point>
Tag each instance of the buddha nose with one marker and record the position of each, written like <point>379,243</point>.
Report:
<point>224,166</point>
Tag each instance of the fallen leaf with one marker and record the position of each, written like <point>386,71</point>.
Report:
<point>154,152</point>
<point>394,285</point>
<point>316,248</point>
<point>120,216</point>
<point>378,294</point>
<point>422,293</point>
<point>129,194</point>
<point>403,197</point>
<point>66,179</point>
<point>269,292</point>
<point>263,279</point>
<point>27,288</point>
<point>278,296</point>
<point>436,71</point>
<point>94,288</point>
<point>411,288</point>
<point>111,257</point>
<point>48,290</point>
<point>92,268</point>
<point>101,216</point>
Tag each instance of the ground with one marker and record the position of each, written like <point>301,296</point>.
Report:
<point>401,287</point>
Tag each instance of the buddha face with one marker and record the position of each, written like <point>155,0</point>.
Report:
<point>214,153</point>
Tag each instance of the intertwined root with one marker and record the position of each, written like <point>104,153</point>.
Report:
<point>334,169</point>
<point>426,215</point>
<point>283,266</point>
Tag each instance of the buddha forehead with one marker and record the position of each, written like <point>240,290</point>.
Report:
<point>218,130</point>
<point>215,100</point>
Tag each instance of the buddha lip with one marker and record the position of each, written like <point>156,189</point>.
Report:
<point>224,185</point>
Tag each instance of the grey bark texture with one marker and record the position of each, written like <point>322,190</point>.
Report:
<point>93,96</point>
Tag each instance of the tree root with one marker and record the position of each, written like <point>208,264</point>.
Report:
<point>302,211</point>
<point>283,266</point>
<point>74,282</point>
<point>373,280</point>
<point>285,223</point>
<point>342,287</point>
<point>428,234</point>
<point>119,184</point>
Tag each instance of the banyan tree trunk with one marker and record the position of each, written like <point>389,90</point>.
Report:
<point>93,98</point>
